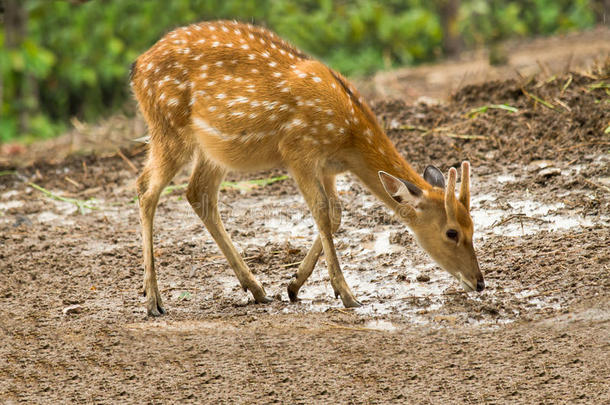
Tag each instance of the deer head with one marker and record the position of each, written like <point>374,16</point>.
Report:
<point>440,221</point>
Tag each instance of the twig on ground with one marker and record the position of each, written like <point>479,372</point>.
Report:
<point>79,203</point>
<point>73,182</point>
<point>579,145</point>
<point>291,264</point>
<point>126,159</point>
<point>566,84</point>
<point>520,217</point>
<point>592,183</point>
<point>538,99</point>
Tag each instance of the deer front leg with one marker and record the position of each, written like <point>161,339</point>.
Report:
<point>160,168</point>
<point>318,201</point>
<point>202,194</point>
<point>310,260</point>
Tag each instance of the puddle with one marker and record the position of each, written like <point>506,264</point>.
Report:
<point>10,204</point>
<point>537,217</point>
<point>381,324</point>
<point>506,178</point>
<point>9,194</point>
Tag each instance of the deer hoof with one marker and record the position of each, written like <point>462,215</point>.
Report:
<point>156,310</point>
<point>264,300</point>
<point>293,292</point>
<point>352,303</point>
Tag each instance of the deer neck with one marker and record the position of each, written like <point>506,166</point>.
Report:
<point>377,153</point>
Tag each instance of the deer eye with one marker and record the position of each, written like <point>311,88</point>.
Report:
<point>452,234</point>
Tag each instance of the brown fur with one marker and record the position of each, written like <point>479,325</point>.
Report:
<point>232,96</point>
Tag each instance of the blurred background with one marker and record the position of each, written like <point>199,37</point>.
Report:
<point>61,60</point>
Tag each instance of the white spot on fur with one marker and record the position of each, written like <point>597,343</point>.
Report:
<point>204,126</point>
<point>316,79</point>
<point>245,46</point>
<point>220,96</point>
<point>215,44</point>
<point>273,64</point>
<point>330,126</point>
<point>219,63</point>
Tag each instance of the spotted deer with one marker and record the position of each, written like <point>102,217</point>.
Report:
<point>231,96</point>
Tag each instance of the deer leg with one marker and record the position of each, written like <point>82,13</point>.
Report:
<point>202,194</point>
<point>319,203</point>
<point>310,260</point>
<point>160,168</point>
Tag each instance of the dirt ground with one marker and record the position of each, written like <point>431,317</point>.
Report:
<point>73,327</point>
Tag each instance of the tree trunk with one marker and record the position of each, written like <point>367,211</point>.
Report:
<point>448,11</point>
<point>14,21</point>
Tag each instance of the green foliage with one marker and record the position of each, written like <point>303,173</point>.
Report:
<point>75,57</point>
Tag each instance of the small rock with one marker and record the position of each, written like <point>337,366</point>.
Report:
<point>72,309</point>
<point>423,278</point>
<point>547,173</point>
<point>540,164</point>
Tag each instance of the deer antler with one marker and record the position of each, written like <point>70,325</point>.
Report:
<point>465,186</point>
<point>450,194</point>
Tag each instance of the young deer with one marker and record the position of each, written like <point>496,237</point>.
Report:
<point>233,96</point>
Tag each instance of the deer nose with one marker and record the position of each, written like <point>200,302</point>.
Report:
<point>480,285</point>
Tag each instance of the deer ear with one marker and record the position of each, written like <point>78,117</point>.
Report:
<point>434,177</point>
<point>400,190</point>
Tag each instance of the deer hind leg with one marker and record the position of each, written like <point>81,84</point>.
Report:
<point>163,163</point>
<point>310,260</point>
<point>202,194</point>
<point>318,200</point>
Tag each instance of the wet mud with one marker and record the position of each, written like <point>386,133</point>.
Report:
<point>73,326</point>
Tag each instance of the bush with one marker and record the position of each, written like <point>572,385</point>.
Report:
<point>74,56</point>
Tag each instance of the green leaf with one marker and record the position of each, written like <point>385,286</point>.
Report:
<point>185,296</point>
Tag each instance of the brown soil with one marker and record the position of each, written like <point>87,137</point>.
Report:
<point>73,326</point>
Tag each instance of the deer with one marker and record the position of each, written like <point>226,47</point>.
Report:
<point>230,96</point>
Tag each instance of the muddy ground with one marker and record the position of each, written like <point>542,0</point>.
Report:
<point>73,327</point>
